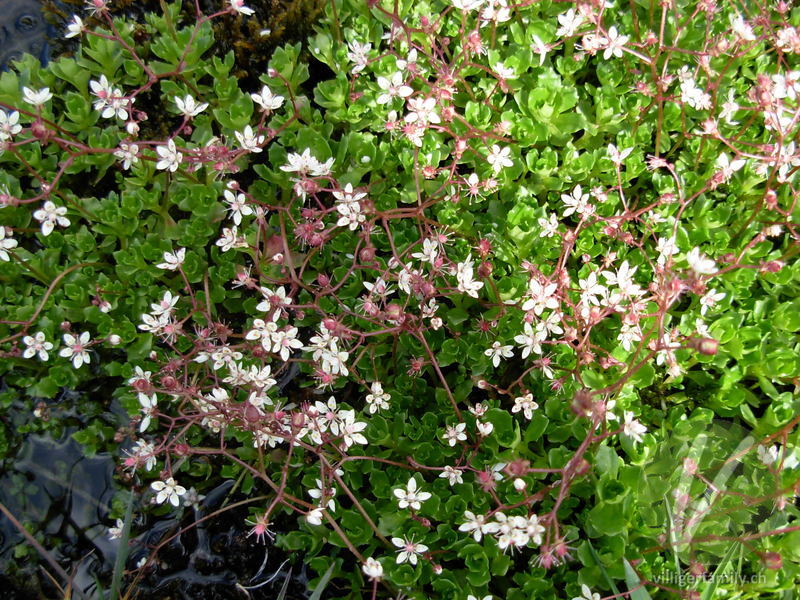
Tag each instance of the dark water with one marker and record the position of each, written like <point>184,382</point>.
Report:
<point>22,29</point>
<point>64,498</point>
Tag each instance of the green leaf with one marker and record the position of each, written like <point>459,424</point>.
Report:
<point>636,591</point>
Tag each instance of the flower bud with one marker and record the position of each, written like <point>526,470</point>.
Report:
<point>114,339</point>
<point>394,312</point>
<point>367,255</point>
<point>772,560</point>
<point>707,346</point>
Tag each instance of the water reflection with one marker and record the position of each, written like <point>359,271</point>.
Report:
<point>22,29</point>
<point>64,497</point>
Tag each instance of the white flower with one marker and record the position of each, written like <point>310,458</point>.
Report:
<point>618,156</point>
<point>729,109</point>
<point>499,158</point>
<point>484,429</point>
<point>111,102</point>
<point>142,451</point>
<point>497,352</point>
<point>285,341</point>
<point>172,262</point>
<point>76,349</point>
<point>466,278</point>
<point>229,238</point>
<point>74,27</point>
<point>324,495</point>
<point>549,225</point>
<point>615,44</point>
<point>632,428</point>
<point>378,399</point>
<point>586,594</point>
<point>693,95</point>
<point>430,250</point>
<point>569,23</point>
<point>478,525</point>
<point>422,111</point>
<point>128,154</point>
<point>541,297</point>
<point>9,124</point>
<point>168,490</point>
<point>629,334</point>
<point>189,107</point>
<point>267,100</point>
<point>351,215</point>
<point>314,517</point>
<point>540,48</point>
<point>452,475</point>
<point>249,140</point>
<point>742,29</point>
<point>237,205</point>
<point>36,97</point>
<point>393,87</point>
<point>37,344</point>
<point>623,279</point>
<point>666,247</point>
<point>710,299</point>
<point>408,550</point>
<point>767,455</point>
<point>700,263</point>
<point>50,215</point>
<point>357,53</point>
<point>350,429</point>
<point>410,497</point>
<point>727,167</point>
<point>455,434</point>
<point>306,164</point>
<point>504,72</point>
<point>170,158</point>
<point>577,202</point>
<point>526,405</point>
<point>148,404</point>
<point>238,6</point>
<point>116,532</point>
<point>372,569</point>
<point>531,340</point>
<point>276,299</point>
<point>6,243</point>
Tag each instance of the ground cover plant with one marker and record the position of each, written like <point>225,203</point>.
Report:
<point>505,307</point>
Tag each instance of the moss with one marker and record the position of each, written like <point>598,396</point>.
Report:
<point>252,39</point>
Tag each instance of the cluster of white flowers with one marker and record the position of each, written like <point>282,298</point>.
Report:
<point>111,102</point>
<point>513,532</point>
<point>691,94</point>
<point>348,205</point>
<point>465,277</point>
<point>324,348</point>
